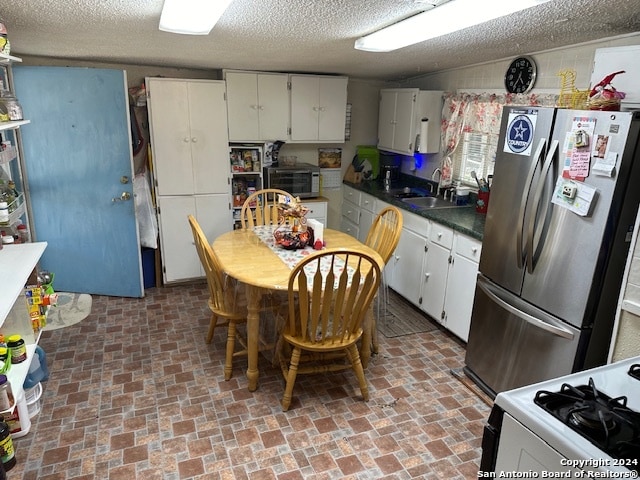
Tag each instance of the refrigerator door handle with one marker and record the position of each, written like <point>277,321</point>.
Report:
<point>524,200</point>
<point>536,322</point>
<point>551,155</point>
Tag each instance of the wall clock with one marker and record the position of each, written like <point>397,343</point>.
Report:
<point>521,75</point>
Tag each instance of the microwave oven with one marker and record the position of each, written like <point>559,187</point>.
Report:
<point>301,180</point>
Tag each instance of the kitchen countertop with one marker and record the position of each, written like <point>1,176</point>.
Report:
<point>461,219</point>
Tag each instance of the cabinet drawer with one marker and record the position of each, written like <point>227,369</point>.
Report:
<point>351,212</point>
<point>468,247</point>
<point>415,223</point>
<point>368,202</point>
<point>316,209</point>
<point>441,235</point>
<point>350,195</point>
<point>349,227</point>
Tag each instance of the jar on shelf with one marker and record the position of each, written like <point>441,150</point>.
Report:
<point>12,107</point>
<point>17,347</point>
<point>23,233</point>
<point>6,394</point>
<point>4,213</point>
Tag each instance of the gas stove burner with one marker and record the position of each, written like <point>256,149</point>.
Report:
<point>634,371</point>
<point>592,416</point>
<point>606,422</point>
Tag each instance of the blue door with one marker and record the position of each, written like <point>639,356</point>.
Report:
<point>79,168</point>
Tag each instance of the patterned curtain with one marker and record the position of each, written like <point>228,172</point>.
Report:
<point>466,112</point>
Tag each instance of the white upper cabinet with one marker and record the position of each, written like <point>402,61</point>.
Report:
<point>400,117</point>
<point>318,108</point>
<point>258,106</point>
<point>189,135</point>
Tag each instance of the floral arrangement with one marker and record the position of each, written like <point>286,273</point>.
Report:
<point>292,232</point>
<point>604,96</point>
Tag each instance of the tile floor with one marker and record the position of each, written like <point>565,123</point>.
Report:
<point>135,393</point>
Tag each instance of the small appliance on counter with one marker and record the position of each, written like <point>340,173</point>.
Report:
<point>573,425</point>
<point>390,162</point>
<point>301,180</point>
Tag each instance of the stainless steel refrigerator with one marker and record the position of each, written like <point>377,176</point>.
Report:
<point>564,199</point>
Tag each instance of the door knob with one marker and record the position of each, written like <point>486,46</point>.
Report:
<point>123,197</point>
<point>124,179</point>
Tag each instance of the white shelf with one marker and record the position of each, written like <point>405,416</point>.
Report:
<point>16,264</point>
<point>13,125</point>
<point>6,59</point>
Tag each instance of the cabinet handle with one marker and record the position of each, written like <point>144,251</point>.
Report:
<point>185,139</point>
<point>427,275</point>
<point>260,107</point>
<point>439,235</point>
<point>194,139</point>
<point>315,109</point>
<point>474,249</point>
<point>254,107</point>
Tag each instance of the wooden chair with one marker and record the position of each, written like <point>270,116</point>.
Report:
<point>261,208</point>
<point>226,308</point>
<point>383,237</point>
<point>326,315</point>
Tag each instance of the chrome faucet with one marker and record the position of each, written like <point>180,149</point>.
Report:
<point>387,181</point>
<point>439,172</point>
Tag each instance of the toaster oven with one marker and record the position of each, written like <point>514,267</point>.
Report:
<point>301,180</point>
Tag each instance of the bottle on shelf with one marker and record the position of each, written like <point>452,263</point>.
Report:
<point>23,233</point>
<point>4,211</point>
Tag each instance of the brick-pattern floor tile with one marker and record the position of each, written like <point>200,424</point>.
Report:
<point>135,393</point>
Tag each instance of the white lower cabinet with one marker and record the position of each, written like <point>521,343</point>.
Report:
<point>434,280</point>
<point>405,267</point>
<point>350,211</point>
<point>449,283</point>
<point>436,268</point>
<point>368,206</point>
<point>317,210</point>
<point>180,258</point>
<point>461,285</point>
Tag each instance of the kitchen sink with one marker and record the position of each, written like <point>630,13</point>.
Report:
<point>409,192</point>
<point>426,203</point>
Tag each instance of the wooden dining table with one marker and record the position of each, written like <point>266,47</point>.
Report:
<point>246,257</point>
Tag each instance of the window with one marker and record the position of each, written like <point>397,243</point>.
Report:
<point>476,153</point>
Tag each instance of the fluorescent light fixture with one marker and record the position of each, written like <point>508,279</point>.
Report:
<point>191,17</point>
<point>447,18</point>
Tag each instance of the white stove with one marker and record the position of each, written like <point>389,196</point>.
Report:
<point>568,427</point>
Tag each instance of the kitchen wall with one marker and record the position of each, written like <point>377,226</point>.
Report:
<point>489,77</point>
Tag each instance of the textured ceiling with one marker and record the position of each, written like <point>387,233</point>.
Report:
<point>299,35</point>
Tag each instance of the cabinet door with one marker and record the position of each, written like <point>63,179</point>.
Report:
<point>189,136</point>
<point>461,287</point>
<point>242,106</point>
<point>170,136</point>
<point>332,109</point>
<point>434,281</point>
<point>179,257</point>
<point>209,138</point>
<point>318,108</point>
<point>407,266</point>
<point>386,119</point>
<point>273,107</point>
<point>404,135</point>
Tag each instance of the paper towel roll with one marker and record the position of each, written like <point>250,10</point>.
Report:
<point>424,135</point>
